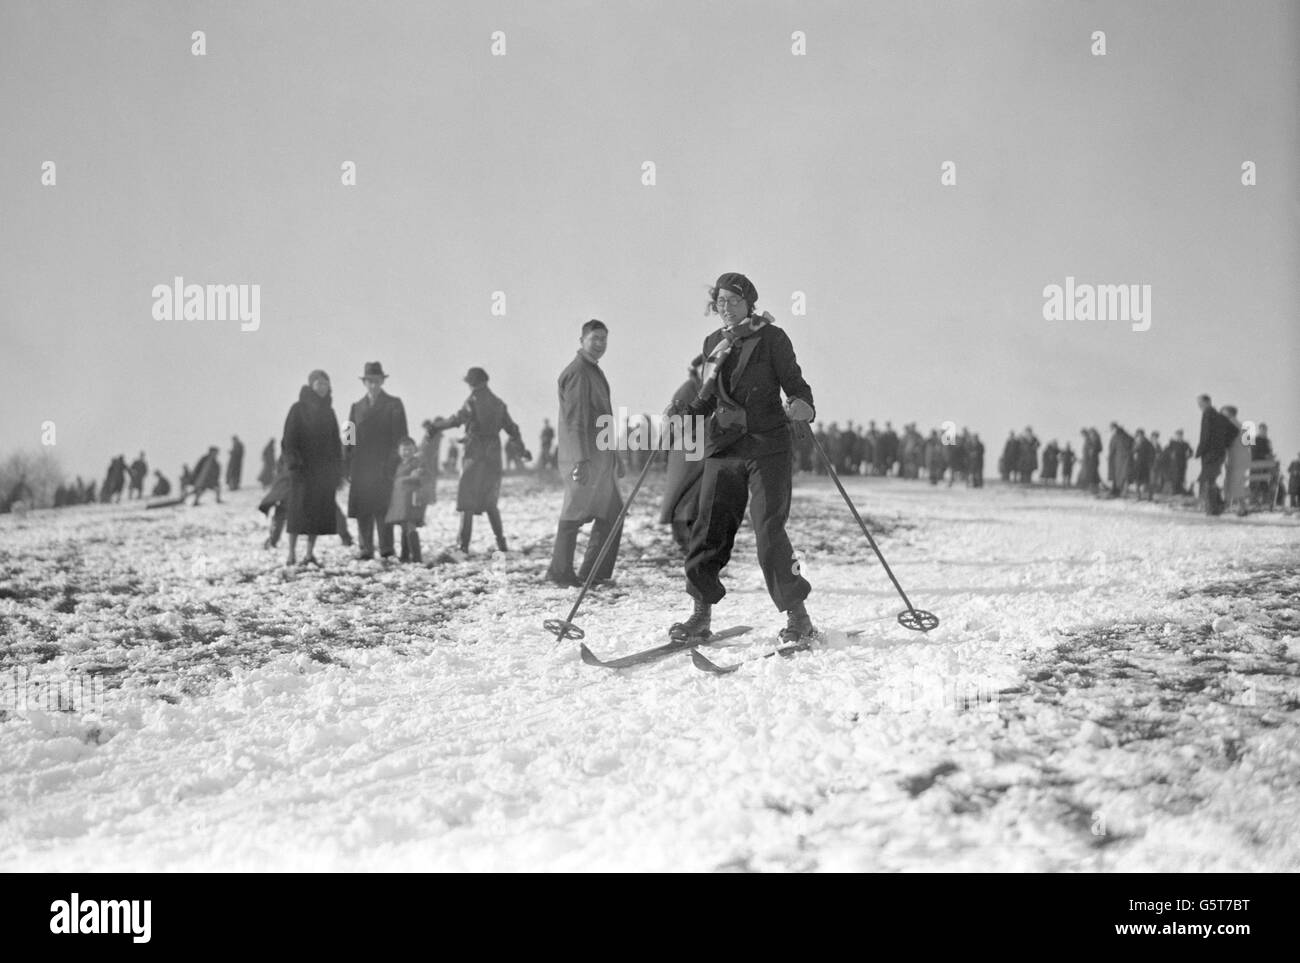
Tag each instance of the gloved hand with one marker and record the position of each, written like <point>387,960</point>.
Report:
<point>581,473</point>
<point>799,410</point>
<point>528,455</point>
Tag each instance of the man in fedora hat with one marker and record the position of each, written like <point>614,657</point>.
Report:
<point>376,424</point>
<point>484,417</point>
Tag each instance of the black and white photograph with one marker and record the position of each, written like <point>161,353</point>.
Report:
<point>651,437</point>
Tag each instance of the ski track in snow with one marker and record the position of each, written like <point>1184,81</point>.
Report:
<point>1113,687</point>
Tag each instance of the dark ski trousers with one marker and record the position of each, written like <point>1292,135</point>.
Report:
<point>566,543</point>
<point>467,528</point>
<point>366,535</point>
<point>1211,465</point>
<point>728,485</point>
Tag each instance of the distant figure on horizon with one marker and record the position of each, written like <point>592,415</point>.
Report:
<point>1118,456</point>
<point>547,446</point>
<point>1179,453</point>
<point>207,476</point>
<point>975,461</point>
<point>1236,466</point>
<point>1067,464</point>
<point>1217,433</point>
<point>138,471</point>
<point>1144,456</point>
<point>269,465</point>
<point>161,485</point>
<point>1051,460</point>
<point>235,466</point>
<point>114,480</point>
<point>1009,463</point>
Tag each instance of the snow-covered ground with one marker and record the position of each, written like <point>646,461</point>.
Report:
<point>1114,686</point>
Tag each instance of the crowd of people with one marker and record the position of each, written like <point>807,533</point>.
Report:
<point>130,479</point>
<point>392,477</point>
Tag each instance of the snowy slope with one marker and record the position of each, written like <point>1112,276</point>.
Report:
<point>1113,686</point>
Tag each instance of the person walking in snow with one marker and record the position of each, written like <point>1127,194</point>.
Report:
<point>483,416</point>
<point>748,458</point>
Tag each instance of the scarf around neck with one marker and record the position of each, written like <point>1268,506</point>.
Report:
<point>731,336</point>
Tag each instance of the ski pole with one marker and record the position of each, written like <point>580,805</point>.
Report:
<point>564,628</point>
<point>913,618</point>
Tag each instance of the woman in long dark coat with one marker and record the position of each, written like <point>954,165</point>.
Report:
<point>484,417</point>
<point>314,456</point>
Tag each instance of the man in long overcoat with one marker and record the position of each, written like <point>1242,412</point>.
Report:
<point>1217,433</point>
<point>590,470</point>
<point>376,424</point>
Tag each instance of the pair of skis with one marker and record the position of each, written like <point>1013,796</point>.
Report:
<point>697,658</point>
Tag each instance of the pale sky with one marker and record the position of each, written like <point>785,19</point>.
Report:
<point>523,174</point>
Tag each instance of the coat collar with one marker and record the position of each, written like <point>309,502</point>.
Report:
<point>365,409</point>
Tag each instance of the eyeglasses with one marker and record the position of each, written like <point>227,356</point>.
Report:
<point>730,299</point>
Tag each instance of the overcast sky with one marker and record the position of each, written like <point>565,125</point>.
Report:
<point>523,174</point>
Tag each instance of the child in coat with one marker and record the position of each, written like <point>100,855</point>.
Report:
<point>407,502</point>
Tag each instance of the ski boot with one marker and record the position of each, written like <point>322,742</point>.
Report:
<point>696,628</point>
<point>798,625</point>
